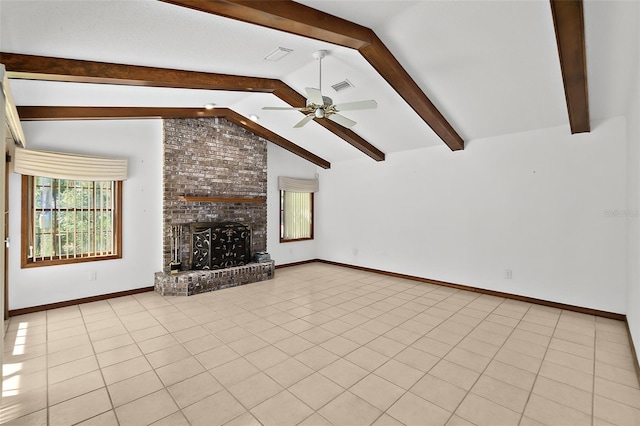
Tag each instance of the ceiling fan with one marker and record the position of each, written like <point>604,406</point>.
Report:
<point>318,106</point>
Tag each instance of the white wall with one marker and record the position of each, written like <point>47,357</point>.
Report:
<point>281,162</point>
<point>140,141</point>
<point>535,203</point>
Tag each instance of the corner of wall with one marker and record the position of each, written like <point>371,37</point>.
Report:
<point>633,198</point>
<point>283,163</point>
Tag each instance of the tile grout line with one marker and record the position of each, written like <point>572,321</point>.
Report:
<point>555,327</point>
<point>344,390</point>
<point>95,354</point>
<point>341,357</point>
<point>441,358</point>
<point>453,346</point>
<point>240,356</point>
<point>407,346</point>
<point>286,389</point>
<point>164,386</point>
<point>100,368</point>
<point>383,412</point>
<point>492,358</point>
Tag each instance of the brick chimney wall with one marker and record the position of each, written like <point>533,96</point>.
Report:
<point>215,158</point>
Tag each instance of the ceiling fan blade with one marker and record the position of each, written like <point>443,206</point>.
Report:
<point>350,106</point>
<point>342,120</point>
<point>305,120</point>
<point>314,96</point>
<point>282,108</point>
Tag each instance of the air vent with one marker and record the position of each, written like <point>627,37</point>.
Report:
<point>343,85</point>
<point>278,54</point>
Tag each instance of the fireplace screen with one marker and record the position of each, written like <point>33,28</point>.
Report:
<point>220,245</point>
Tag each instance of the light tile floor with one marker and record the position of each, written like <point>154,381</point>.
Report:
<point>318,345</point>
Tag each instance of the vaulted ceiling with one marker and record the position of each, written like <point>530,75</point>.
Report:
<point>443,72</point>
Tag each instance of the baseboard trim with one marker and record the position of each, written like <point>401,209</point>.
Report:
<point>302,262</point>
<point>589,311</point>
<point>39,308</point>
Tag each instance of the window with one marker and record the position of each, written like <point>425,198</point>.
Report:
<point>296,208</point>
<point>296,216</point>
<point>68,221</point>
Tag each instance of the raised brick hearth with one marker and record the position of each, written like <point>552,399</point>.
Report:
<point>195,282</point>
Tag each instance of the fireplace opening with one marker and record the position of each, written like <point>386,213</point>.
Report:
<point>219,245</point>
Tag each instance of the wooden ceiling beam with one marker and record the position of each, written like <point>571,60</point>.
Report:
<point>568,20</point>
<point>293,18</point>
<point>31,67</point>
<point>265,133</point>
<point>58,113</point>
<point>298,19</point>
<point>45,68</point>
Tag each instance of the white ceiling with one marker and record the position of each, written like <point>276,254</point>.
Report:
<point>491,67</point>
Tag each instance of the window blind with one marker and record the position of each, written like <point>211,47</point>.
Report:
<point>60,165</point>
<point>297,215</point>
<point>297,185</point>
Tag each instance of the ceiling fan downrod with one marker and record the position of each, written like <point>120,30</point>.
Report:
<point>319,54</point>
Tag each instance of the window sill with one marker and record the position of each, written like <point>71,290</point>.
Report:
<point>31,264</point>
<point>294,240</point>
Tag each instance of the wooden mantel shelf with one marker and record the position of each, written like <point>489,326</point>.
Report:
<point>203,199</point>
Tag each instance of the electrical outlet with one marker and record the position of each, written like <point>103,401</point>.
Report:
<point>93,275</point>
<point>508,274</point>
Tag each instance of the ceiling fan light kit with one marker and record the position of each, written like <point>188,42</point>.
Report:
<point>318,106</point>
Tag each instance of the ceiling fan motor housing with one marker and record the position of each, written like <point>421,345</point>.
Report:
<point>327,102</point>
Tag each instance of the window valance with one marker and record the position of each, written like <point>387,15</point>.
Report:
<point>298,185</point>
<point>11,113</point>
<point>60,165</point>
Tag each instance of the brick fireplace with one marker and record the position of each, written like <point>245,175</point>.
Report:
<point>214,172</point>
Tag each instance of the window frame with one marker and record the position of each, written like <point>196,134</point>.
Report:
<point>27,218</point>
<point>281,219</point>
